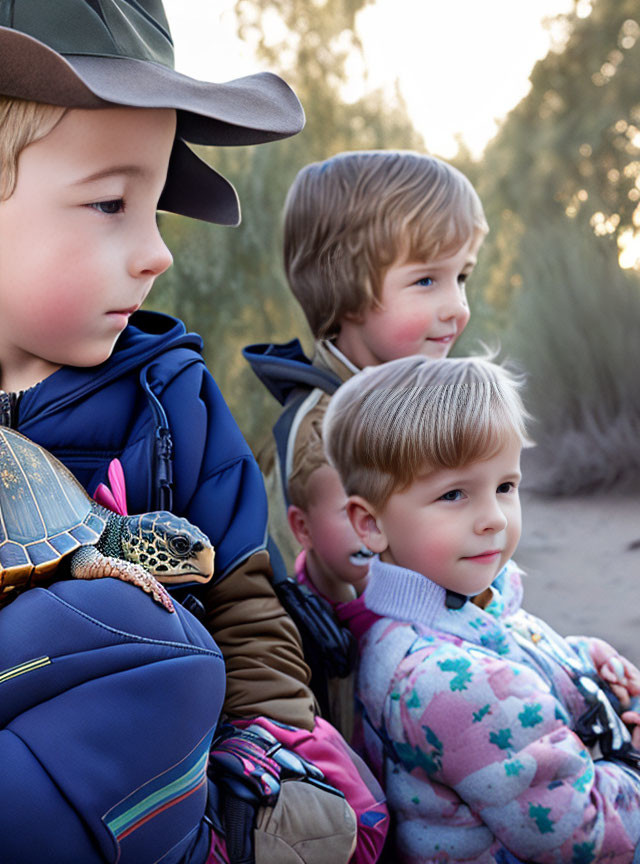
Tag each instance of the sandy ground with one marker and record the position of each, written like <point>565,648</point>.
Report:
<point>582,559</point>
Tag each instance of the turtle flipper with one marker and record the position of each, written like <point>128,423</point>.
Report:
<point>89,563</point>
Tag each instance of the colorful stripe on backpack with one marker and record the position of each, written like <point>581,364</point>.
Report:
<point>161,792</point>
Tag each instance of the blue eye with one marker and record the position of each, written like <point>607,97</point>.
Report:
<point>109,208</point>
<point>453,495</point>
<point>425,282</point>
<point>505,488</point>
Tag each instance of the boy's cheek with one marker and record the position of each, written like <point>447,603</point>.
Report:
<point>406,332</point>
<point>464,320</point>
<point>51,319</point>
<point>428,557</point>
<point>56,316</point>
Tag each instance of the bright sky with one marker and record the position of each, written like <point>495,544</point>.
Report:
<point>461,64</point>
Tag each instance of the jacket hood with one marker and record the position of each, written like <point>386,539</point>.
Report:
<point>148,335</point>
<point>285,367</point>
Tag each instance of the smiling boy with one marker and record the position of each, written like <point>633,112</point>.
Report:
<point>421,308</point>
<point>378,247</point>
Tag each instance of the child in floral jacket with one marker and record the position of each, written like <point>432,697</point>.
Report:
<point>494,735</point>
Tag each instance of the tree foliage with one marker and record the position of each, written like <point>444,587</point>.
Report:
<point>571,148</point>
<point>561,186</point>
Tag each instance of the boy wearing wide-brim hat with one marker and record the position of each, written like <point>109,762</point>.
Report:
<point>94,125</point>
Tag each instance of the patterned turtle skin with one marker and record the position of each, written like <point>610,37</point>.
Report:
<point>46,515</point>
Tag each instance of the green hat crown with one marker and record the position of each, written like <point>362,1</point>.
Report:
<point>89,54</point>
<point>136,29</point>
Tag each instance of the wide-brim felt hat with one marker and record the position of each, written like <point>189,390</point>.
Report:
<point>101,53</point>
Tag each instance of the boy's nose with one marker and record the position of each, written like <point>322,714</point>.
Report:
<point>454,304</point>
<point>490,519</point>
<point>152,256</point>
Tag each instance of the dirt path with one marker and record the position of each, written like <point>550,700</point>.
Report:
<point>582,558</point>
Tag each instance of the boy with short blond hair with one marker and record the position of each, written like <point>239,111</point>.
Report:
<point>347,220</point>
<point>494,736</point>
<point>378,246</point>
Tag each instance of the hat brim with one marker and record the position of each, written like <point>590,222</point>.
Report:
<point>249,110</point>
<point>195,189</point>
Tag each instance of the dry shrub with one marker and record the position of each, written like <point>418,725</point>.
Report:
<point>576,331</point>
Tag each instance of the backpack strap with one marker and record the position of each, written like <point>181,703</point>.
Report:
<point>161,497</point>
<point>329,648</point>
<point>285,430</point>
<point>291,378</point>
<point>286,426</point>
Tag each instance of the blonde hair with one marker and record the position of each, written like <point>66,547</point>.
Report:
<point>392,423</point>
<point>348,219</point>
<point>21,123</point>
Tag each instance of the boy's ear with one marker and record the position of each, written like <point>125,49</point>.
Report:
<point>353,317</point>
<point>299,524</point>
<point>366,524</point>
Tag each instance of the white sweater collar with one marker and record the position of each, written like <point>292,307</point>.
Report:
<point>395,592</point>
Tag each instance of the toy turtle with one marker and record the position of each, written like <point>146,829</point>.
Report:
<point>46,515</point>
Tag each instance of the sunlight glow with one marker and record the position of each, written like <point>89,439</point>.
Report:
<point>629,245</point>
<point>460,66</point>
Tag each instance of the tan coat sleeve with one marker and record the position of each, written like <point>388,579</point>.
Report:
<point>266,673</point>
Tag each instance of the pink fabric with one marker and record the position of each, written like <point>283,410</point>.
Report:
<point>218,851</point>
<point>352,614</point>
<point>303,578</point>
<point>344,769</point>
<point>114,496</point>
<point>356,616</point>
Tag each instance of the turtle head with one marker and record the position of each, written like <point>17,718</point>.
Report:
<point>169,547</point>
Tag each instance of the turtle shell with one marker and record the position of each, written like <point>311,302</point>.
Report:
<point>45,513</point>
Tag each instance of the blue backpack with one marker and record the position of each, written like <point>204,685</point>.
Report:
<point>93,768</point>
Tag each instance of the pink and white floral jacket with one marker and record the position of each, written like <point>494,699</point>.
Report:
<point>469,719</point>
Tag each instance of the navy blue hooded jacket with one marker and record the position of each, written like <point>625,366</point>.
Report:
<point>155,406</point>
<point>155,381</point>
<point>75,738</point>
